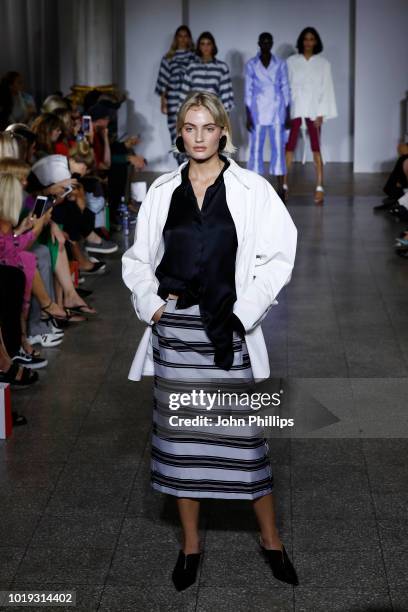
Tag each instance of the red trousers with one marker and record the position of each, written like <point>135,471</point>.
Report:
<point>314,134</point>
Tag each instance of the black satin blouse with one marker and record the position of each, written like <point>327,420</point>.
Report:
<point>198,263</point>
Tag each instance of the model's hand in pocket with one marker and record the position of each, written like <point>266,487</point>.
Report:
<point>157,315</point>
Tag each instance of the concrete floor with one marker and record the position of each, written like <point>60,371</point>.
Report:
<point>77,511</point>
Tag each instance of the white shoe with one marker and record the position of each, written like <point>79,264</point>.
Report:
<point>46,340</point>
<point>56,331</point>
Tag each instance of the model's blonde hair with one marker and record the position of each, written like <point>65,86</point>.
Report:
<point>11,198</point>
<point>215,107</point>
<point>16,167</point>
<point>9,145</point>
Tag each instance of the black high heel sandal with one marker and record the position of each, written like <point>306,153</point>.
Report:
<point>185,571</point>
<point>281,565</point>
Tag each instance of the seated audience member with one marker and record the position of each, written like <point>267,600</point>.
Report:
<point>69,133</point>
<point>91,98</point>
<point>397,182</point>
<point>52,103</point>
<point>12,284</point>
<point>47,129</point>
<point>125,162</point>
<point>26,140</point>
<point>101,116</point>
<point>9,145</point>
<point>39,330</point>
<point>15,104</point>
<point>14,242</point>
<point>76,220</point>
<point>81,162</point>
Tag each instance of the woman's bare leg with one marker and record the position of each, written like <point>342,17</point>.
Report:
<point>71,297</point>
<point>265,513</point>
<point>289,160</point>
<point>24,342</point>
<point>189,511</point>
<point>5,360</point>
<point>84,262</point>
<point>40,292</point>
<point>59,293</point>
<point>318,162</point>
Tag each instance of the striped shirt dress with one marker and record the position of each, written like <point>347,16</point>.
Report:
<point>169,82</point>
<point>211,76</point>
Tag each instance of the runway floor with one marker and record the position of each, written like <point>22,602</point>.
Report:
<point>77,511</point>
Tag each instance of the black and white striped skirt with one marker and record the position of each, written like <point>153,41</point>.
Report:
<point>202,444</point>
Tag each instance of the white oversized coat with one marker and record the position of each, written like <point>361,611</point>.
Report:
<point>265,256</point>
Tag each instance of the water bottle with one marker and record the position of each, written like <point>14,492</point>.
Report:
<point>124,212</point>
<point>121,212</point>
<point>125,220</point>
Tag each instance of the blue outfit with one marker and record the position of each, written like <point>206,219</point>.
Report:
<point>267,95</point>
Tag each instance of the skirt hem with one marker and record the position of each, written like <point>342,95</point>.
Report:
<point>210,494</point>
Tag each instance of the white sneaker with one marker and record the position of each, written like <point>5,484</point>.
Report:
<point>56,331</point>
<point>46,340</point>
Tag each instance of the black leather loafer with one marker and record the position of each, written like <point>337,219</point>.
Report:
<point>281,565</point>
<point>185,570</point>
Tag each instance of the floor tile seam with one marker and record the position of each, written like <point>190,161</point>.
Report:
<point>291,514</point>
<point>199,585</point>
<point>396,335</point>
<point>352,410</point>
<point>380,543</point>
<point>336,313</point>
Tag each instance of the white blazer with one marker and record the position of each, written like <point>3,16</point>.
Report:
<point>311,87</point>
<point>265,256</point>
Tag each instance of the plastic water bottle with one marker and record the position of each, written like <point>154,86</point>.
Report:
<point>122,208</point>
<point>125,217</point>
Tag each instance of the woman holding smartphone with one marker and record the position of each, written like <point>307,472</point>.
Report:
<point>214,246</point>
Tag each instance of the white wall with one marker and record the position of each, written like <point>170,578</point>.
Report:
<point>236,25</point>
<point>149,32</point>
<point>380,81</point>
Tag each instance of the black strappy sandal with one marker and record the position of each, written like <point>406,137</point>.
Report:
<point>64,320</point>
<point>53,316</point>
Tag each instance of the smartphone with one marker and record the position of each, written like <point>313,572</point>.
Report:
<point>86,124</point>
<point>41,206</point>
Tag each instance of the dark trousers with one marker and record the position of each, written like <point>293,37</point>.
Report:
<point>12,283</point>
<point>397,181</point>
<point>76,223</point>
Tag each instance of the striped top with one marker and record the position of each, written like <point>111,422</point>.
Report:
<point>172,70</point>
<point>211,76</point>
